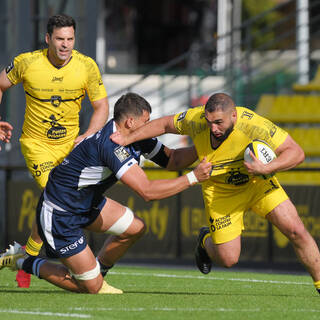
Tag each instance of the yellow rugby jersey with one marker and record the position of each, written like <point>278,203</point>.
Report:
<point>54,95</point>
<point>227,159</point>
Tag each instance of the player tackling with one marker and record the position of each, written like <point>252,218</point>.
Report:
<point>220,132</point>
<point>73,200</point>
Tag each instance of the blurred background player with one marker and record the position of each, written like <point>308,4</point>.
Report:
<point>73,200</point>
<point>221,131</point>
<point>55,80</point>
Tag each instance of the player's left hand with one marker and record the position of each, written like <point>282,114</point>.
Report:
<point>256,167</point>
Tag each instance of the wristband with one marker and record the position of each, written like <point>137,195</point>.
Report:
<point>192,178</point>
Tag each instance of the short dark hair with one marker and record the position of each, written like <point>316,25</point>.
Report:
<point>219,101</point>
<point>130,104</point>
<point>59,21</point>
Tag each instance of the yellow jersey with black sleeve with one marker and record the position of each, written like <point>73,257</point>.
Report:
<point>54,95</point>
<point>227,159</point>
<point>231,191</point>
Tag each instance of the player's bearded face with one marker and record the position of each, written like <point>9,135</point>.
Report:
<point>220,123</point>
<point>60,45</point>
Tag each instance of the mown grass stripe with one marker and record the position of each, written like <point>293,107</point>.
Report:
<point>164,275</point>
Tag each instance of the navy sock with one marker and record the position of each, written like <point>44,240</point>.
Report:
<point>103,268</point>
<point>32,265</point>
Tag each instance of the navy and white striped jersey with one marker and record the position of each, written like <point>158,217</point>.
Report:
<point>77,184</point>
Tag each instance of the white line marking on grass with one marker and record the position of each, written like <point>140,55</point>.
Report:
<point>163,275</point>
<point>192,309</point>
<point>49,314</point>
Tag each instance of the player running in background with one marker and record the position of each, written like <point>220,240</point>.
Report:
<point>73,199</point>
<point>220,132</point>
<point>55,81</point>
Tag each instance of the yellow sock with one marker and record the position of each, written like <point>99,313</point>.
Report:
<point>317,285</point>
<point>205,238</point>
<point>32,247</point>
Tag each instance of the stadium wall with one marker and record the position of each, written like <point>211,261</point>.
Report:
<point>173,223</point>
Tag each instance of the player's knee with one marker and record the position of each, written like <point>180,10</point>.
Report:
<point>140,227</point>
<point>89,281</point>
<point>229,260</point>
<point>92,287</point>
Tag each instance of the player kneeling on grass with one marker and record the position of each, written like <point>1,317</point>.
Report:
<point>73,200</point>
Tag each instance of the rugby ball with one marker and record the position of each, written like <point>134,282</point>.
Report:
<point>261,150</point>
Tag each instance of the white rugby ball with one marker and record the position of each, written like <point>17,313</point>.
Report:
<point>261,150</point>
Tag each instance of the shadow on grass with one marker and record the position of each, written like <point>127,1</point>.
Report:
<point>32,291</point>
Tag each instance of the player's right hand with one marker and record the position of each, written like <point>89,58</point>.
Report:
<point>118,138</point>
<point>203,170</point>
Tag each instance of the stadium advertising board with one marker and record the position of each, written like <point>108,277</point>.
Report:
<point>172,224</point>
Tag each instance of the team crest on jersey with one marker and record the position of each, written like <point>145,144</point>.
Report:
<point>9,67</point>
<point>121,153</point>
<point>182,116</point>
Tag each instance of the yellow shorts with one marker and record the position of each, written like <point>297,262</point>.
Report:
<point>226,206</point>
<point>41,157</point>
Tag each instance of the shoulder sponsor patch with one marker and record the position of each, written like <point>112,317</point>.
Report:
<point>9,67</point>
<point>182,116</point>
<point>121,153</point>
<point>246,114</point>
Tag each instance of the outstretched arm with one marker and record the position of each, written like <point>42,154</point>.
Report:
<point>138,181</point>
<point>181,158</point>
<point>151,129</point>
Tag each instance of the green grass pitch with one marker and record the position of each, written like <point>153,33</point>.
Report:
<point>168,293</point>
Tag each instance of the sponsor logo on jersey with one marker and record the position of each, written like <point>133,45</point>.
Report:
<point>236,177</point>
<point>36,172</point>
<point>272,127</point>
<point>272,131</point>
<point>246,114</point>
<point>121,153</point>
<point>9,67</point>
<point>65,162</point>
<point>57,131</point>
<point>57,79</point>
<point>46,166</point>
<point>72,246</point>
<point>182,116</point>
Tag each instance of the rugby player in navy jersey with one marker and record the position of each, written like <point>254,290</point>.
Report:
<point>73,200</point>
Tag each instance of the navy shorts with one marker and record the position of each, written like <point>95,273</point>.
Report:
<point>62,231</point>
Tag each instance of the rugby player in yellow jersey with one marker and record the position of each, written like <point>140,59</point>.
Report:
<point>55,81</point>
<point>220,132</point>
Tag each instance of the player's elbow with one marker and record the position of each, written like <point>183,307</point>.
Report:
<point>301,156</point>
<point>146,194</point>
